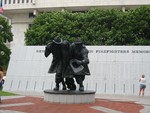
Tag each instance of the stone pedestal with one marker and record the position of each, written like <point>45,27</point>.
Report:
<point>69,97</point>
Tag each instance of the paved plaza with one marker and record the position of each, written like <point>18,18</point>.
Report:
<point>31,103</point>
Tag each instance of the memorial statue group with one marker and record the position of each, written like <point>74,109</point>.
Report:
<point>70,63</point>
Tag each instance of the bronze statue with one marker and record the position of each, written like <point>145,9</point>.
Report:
<point>80,62</point>
<point>67,72</point>
<point>56,65</point>
<point>69,61</point>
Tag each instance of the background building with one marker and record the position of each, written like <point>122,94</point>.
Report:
<point>21,13</point>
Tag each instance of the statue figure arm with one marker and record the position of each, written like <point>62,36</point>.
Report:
<point>47,50</point>
<point>85,59</point>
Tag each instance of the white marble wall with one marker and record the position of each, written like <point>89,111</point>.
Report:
<point>111,73</point>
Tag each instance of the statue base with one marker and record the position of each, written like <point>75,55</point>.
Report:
<point>69,97</point>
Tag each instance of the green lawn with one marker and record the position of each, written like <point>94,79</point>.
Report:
<point>3,93</point>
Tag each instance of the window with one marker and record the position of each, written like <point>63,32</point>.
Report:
<point>78,11</point>
<point>14,1</point>
<point>18,1</point>
<point>9,1</point>
<point>31,15</point>
<point>5,1</point>
<point>30,25</point>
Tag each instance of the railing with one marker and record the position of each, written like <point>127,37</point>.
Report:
<point>18,1</point>
<point>18,4</point>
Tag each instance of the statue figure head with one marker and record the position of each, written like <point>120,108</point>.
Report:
<point>78,44</point>
<point>57,40</point>
<point>78,41</point>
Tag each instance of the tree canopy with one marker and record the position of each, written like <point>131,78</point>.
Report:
<point>5,35</point>
<point>95,27</point>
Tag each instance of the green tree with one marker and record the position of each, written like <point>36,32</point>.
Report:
<point>5,35</point>
<point>100,26</point>
<point>140,24</point>
<point>46,26</point>
<point>95,27</point>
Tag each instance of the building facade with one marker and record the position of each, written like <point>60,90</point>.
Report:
<point>22,12</point>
